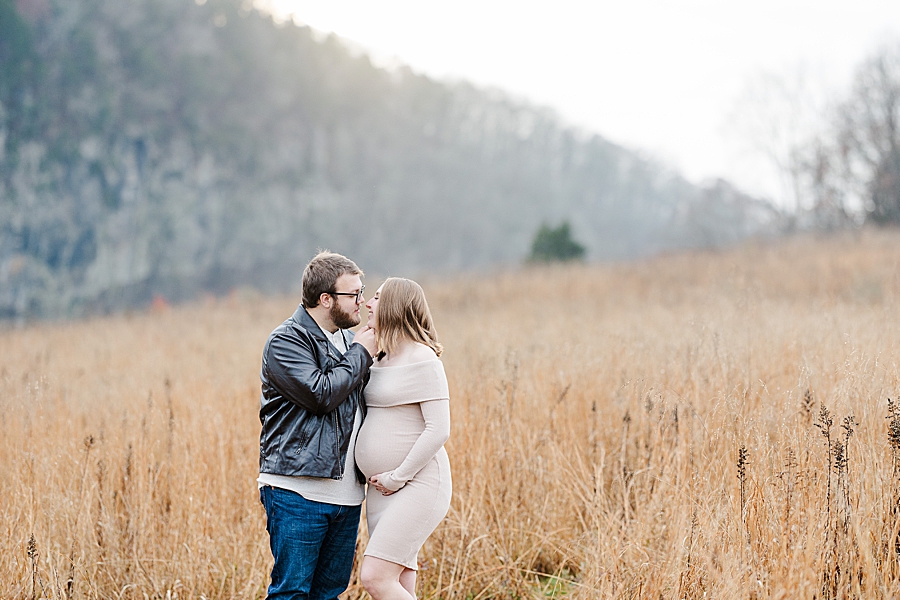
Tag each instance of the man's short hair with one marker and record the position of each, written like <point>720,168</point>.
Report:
<point>322,273</point>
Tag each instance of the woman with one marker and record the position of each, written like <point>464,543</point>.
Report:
<point>400,447</point>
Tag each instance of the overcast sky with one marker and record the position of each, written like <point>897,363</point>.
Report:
<point>666,77</point>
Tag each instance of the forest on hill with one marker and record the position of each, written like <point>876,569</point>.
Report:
<point>175,147</point>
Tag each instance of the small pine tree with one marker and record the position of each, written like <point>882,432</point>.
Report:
<point>555,244</point>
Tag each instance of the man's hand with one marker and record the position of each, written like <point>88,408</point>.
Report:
<point>366,337</point>
<point>375,481</point>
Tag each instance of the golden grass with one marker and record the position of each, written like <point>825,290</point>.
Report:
<point>598,416</point>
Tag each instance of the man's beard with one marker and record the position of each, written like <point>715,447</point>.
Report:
<point>342,319</point>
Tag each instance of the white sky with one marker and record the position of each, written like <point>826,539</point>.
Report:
<point>666,77</point>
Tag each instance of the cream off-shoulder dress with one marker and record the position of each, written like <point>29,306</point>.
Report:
<point>407,423</point>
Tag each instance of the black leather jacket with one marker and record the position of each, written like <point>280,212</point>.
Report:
<point>309,397</point>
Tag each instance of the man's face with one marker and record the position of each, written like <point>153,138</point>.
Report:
<point>344,311</point>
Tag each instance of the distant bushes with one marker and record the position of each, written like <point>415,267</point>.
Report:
<point>555,244</point>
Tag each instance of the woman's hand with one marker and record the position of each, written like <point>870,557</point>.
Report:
<point>375,481</point>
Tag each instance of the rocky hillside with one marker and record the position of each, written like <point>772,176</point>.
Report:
<point>165,147</point>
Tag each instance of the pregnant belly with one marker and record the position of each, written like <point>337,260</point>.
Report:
<point>386,437</point>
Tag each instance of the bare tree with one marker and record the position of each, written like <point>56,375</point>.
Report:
<point>869,135</point>
<point>781,117</point>
<point>839,163</point>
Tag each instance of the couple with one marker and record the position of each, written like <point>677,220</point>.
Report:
<point>324,437</point>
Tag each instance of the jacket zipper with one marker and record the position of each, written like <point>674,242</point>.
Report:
<point>337,447</point>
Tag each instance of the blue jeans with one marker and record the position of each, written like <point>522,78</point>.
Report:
<point>313,544</point>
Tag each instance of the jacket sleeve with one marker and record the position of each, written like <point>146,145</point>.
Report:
<point>437,431</point>
<point>295,373</point>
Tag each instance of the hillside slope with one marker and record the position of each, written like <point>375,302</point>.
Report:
<point>161,147</point>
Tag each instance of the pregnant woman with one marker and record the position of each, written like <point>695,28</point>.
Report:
<point>400,448</point>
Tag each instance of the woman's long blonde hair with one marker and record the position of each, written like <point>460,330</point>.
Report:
<point>403,314</point>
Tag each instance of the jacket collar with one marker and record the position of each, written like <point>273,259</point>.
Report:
<point>303,318</point>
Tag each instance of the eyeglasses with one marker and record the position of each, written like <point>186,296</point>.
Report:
<point>357,295</point>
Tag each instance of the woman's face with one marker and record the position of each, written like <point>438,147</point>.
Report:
<point>372,305</point>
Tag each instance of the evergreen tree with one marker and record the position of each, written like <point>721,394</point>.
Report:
<point>555,244</point>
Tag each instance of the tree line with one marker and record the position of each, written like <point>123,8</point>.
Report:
<point>840,158</point>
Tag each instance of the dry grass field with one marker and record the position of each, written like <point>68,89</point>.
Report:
<point>709,425</point>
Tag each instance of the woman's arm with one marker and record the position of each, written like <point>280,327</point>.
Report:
<point>437,431</point>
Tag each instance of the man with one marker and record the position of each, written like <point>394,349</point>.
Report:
<point>313,373</point>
